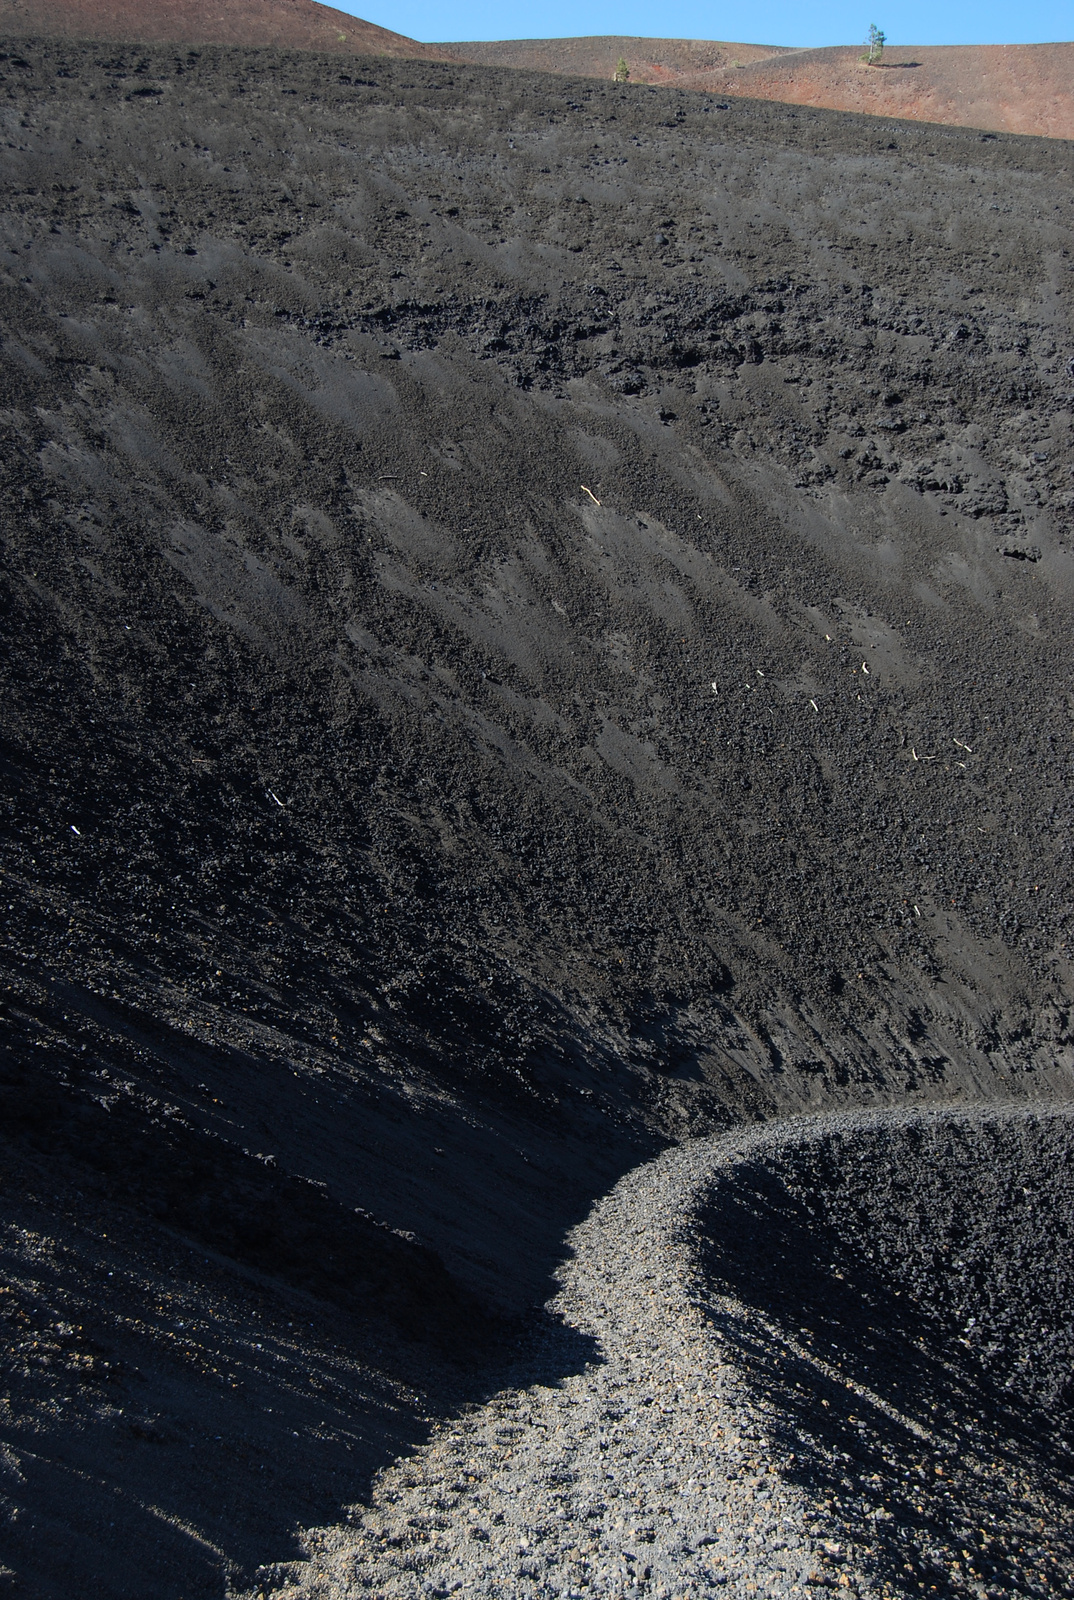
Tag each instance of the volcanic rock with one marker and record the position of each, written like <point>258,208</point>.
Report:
<point>486,696</point>
<point>284,24</point>
<point>1014,88</point>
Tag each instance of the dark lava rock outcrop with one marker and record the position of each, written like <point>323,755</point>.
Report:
<point>536,623</point>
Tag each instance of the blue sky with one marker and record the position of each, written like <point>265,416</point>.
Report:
<point>765,22</point>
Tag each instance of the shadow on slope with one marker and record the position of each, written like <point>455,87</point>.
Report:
<point>206,1349</point>
<point>172,1418</point>
<point>519,619</point>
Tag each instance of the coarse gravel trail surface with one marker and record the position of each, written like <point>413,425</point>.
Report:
<point>717,1439</point>
<point>537,626</point>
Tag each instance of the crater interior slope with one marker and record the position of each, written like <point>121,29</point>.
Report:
<point>833,1354</point>
<point>536,625</point>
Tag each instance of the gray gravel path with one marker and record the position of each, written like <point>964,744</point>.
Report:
<point>660,1469</point>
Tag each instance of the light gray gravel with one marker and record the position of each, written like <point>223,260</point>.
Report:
<point>662,1466</point>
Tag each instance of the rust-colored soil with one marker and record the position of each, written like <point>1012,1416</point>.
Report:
<point>1006,88</point>
<point>1020,88</point>
<point>285,24</point>
<point>680,62</point>
<point>1015,88</point>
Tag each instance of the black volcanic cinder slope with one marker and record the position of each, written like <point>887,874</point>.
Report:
<point>899,1297</point>
<point>536,621</point>
<point>835,1354</point>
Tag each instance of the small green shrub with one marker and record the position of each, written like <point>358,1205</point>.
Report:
<point>622,71</point>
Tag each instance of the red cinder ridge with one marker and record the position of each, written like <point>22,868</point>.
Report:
<point>283,24</point>
<point>1017,88</point>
